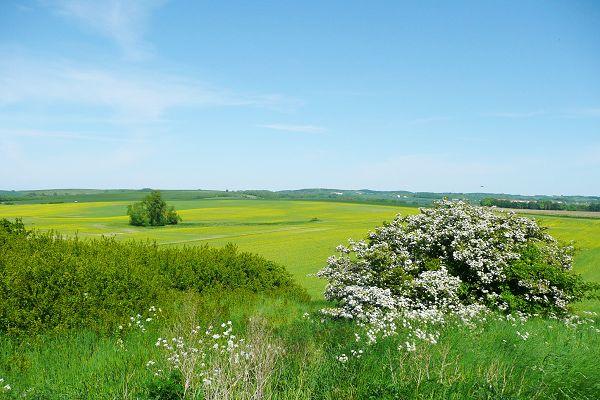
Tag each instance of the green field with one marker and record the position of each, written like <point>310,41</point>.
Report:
<point>298,234</point>
<point>556,361</point>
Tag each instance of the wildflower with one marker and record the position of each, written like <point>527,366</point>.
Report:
<point>342,358</point>
<point>410,347</point>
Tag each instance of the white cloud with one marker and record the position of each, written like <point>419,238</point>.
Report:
<point>525,114</point>
<point>123,21</point>
<point>428,120</point>
<point>98,164</point>
<point>45,134</point>
<point>294,128</point>
<point>590,112</point>
<point>130,94</point>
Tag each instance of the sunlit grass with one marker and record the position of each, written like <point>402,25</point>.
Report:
<point>298,234</point>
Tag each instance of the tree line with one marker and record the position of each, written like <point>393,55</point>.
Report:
<point>540,204</point>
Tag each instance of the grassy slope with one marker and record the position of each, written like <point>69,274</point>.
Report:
<point>279,230</point>
<point>555,363</point>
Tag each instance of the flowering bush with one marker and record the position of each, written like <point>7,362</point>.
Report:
<point>456,259</point>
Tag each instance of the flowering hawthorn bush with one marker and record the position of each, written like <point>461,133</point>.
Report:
<point>455,259</point>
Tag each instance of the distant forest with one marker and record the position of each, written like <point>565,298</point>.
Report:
<point>405,198</point>
<point>541,204</point>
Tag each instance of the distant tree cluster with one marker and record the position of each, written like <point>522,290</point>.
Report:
<point>152,211</point>
<point>540,204</point>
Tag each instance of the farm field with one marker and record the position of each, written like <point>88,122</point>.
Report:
<point>76,330</point>
<point>298,234</point>
<point>299,200</point>
<point>282,231</point>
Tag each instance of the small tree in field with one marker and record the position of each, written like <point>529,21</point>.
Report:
<point>152,211</point>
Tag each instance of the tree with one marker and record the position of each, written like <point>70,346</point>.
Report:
<point>137,214</point>
<point>172,217</point>
<point>152,211</point>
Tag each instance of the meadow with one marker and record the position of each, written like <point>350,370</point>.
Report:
<point>536,358</point>
<point>297,234</point>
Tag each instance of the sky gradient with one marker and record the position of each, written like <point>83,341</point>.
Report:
<point>421,96</point>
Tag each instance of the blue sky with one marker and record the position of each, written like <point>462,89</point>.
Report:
<point>421,96</point>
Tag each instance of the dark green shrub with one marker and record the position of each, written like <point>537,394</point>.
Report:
<point>172,218</point>
<point>50,282</point>
<point>152,211</point>
<point>138,215</point>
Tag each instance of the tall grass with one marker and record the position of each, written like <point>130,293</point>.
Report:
<point>78,320</point>
<point>555,362</point>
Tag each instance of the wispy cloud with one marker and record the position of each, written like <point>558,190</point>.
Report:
<point>526,114</point>
<point>44,134</point>
<point>123,21</point>
<point>428,120</point>
<point>52,168</point>
<point>502,115</point>
<point>588,112</point>
<point>130,94</point>
<point>294,128</point>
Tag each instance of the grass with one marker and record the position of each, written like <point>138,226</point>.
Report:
<point>298,234</point>
<point>282,231</point>
<point>556,362</point>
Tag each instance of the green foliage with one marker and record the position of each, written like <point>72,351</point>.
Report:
<point>138,215</point>
<point>535,204</point>
<point>555,362</point>
<point>16,228</point>
<point>171,217</point>
<point>49,282</point>
<point>549,275</point>
<point>169,388</point>
<point>152,211</point>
